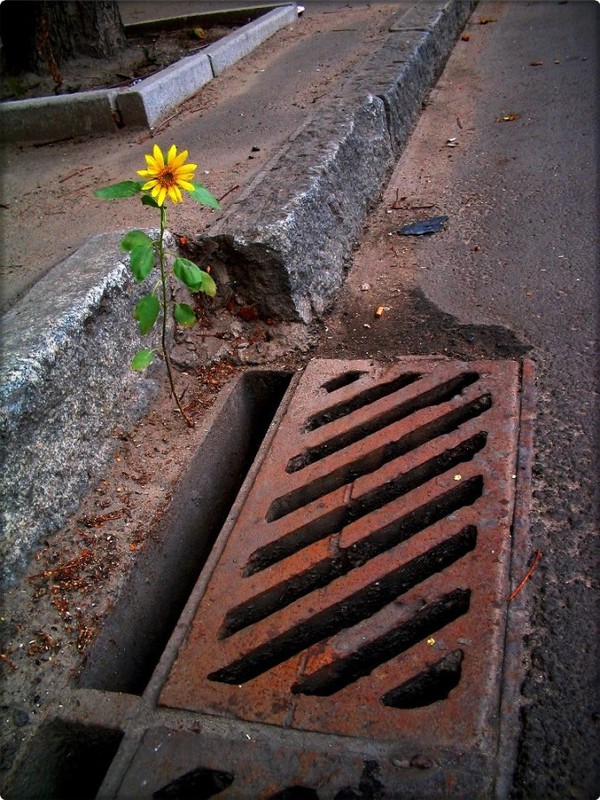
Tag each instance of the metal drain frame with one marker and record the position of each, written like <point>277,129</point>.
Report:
<point>446,766</point>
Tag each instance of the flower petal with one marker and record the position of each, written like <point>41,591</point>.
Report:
<point>183,167</point>
<point>161,195</point>
<point>171,155</point>
<point>172,194</point>
<point>189,187</point>
<point>177,162</point>
<point>149,185</point>
<point>158,156</point>
<point>152,163</point>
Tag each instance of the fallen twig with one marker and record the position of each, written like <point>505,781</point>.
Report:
<point>73,174</point>
<point>515,592</point>
<point>229,191</point>
<point>396,207</point>
<point>160,128</point>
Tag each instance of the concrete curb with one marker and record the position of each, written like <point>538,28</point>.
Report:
<point>65,386</point>
<point>326,178</point>
<point>106,110</point>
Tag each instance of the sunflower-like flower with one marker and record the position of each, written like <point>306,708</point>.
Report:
<point>167,176</point>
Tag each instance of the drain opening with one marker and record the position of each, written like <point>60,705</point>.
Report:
<point>377,458</point>
<point>436,396</point>
<point>323,572</point>
<point>331,522</point>
<point>344,671</point>
<point>433,684</point>
<point>360,400</point>
<point>65,760</point>
<point>343,380</point>
<point>199,784</point>
<point>348,612</point>
<point>133,638</point>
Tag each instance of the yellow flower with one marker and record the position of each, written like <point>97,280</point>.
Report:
<point>167,177</point>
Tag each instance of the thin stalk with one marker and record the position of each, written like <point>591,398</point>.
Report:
<point>163,279</point>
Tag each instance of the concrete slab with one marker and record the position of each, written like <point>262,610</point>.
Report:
<point>154,97</point>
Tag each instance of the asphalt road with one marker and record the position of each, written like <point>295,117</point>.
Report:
<point>521,251</point>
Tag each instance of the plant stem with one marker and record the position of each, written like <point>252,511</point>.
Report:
<point>163,279</point>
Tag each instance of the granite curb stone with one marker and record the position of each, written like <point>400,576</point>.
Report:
<point>286,239</point>
<point>65,386</point>
<point>284,244</point>
<point>105,110</point>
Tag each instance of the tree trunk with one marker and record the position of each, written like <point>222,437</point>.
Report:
<point>40,35</point>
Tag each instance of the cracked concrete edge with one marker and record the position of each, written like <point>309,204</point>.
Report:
<point>325,180</point>
<point>105,110</point>
<point>65,386</point>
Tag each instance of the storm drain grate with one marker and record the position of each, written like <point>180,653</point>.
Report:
<point>362,588</point>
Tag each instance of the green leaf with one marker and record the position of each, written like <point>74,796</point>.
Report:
<point>202,195</point>
<point>193,277</point>
<point>142,359</point>
<point>134,239</point>
<point>209,287</point>
<point>146,312</point>
<point>188,273</point>
<point>148,200</point>
<point>184,315</point>
<point>117,190</point>
<point>141,261</point>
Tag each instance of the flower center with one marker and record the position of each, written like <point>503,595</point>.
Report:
<point>167,178</point>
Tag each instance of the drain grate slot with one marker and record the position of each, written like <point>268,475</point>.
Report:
<point>436,396</point>
<point>353,469</point>
<point>331,522</point>
<point>199,784</point>
<point>429,620</point>
<point>345,379</point>
<point>430,686</point>
<point>349,611</point>
<point>360,400</point>
<point>323,572</point>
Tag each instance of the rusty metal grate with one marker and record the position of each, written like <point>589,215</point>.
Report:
<point>362,587</point>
